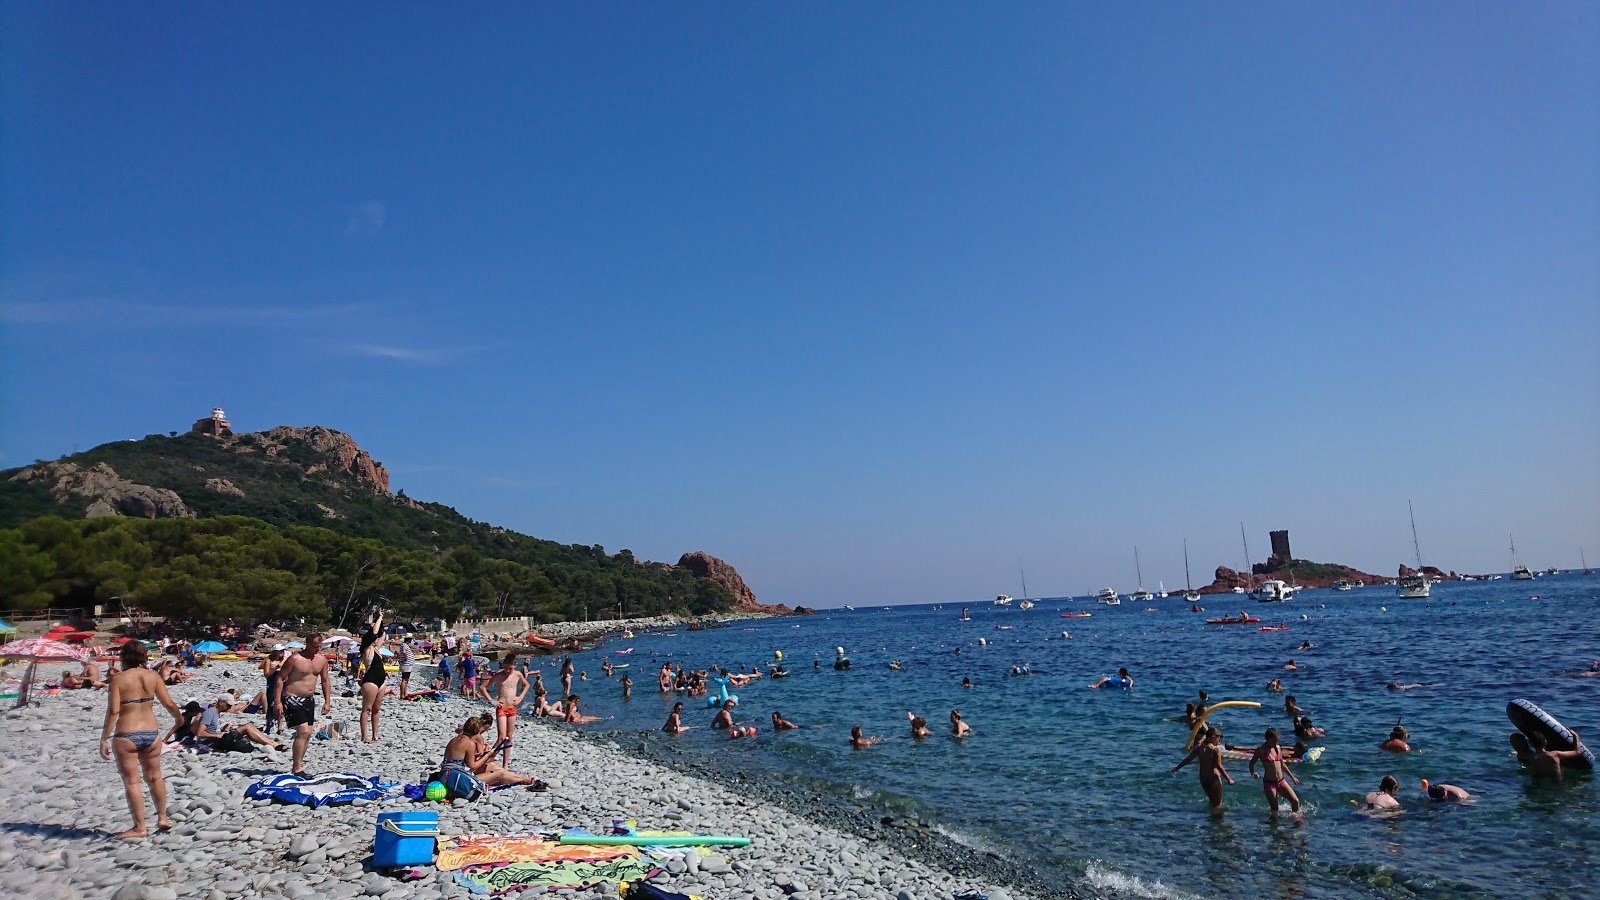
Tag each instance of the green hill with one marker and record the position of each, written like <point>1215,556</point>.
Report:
<point>293,523</point>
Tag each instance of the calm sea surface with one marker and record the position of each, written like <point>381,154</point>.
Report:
<point>1078,779</point>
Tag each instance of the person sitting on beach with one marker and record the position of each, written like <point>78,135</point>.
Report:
<point>779,723</point>
<point>1546,763</point>
<point>1208,750</point>
<point>1397,741</point>
<point>90,678</point>
<point>958,727</point>
<point>230,738</point>
<point>1275,686</point>
<point>257,703</point>
<point>1274,768</point>
<point>919,725</point>
<point>130,730</point>
<point>860,742</point>
<point>572,716</point>
<point>1384,796</point>
<point>469,765</point>
<point>1396,686</point>
<point>724,719</point>
<point>1444,792</point>
<point>674,720</point>
<point>183,729</point>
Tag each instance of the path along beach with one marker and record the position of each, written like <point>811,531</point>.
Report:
<point>64,802</point>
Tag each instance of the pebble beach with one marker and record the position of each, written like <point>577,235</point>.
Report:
<point>64,802</point>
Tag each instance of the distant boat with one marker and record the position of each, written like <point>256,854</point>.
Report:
<point>1585,561</point>
<point>1141,595</point>
<point>1342,585</point>
<point>1161,589</point>
<point>1413,587</point>
<point>848,608</point>
<point>1189,593</point>
<point>1109,597</point>
<point>1519,572</point>
<point>1024,604</point>
<point>1273,591</point>
<point>1552,571</point>
<point>1003,600</point>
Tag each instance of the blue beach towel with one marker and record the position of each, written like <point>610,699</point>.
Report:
<point>317,791</point>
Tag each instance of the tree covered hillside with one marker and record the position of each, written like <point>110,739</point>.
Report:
<point>291,523</point>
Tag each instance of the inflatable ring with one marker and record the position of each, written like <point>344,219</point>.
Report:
<point>1531,720</point>
<point>1201,722</point>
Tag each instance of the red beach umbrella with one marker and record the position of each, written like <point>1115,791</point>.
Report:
<point>35,650</point>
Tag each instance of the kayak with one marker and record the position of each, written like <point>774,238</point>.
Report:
<point>1247,620</point>
<point>1076,615</point>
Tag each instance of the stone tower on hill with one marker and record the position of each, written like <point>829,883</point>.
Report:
<point>215,425</point>
<point>1280,549</point>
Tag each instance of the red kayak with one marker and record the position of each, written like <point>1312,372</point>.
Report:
<point>1247,620</point>
<point>1076,615</point>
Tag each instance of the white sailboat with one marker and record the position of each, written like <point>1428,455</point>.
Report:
<point>1141,595</point>
<point>1249,571</point>
<point>1024,603</point>
<point>1519,572</point>
<point>1585,561</point>
<point>1413,587</point>
<point>1161,589</point>
<point>1189,593</point>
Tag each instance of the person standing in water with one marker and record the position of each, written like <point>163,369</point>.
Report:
<point>297,683</point>
<point>958,727</point>
<point>131,731</point>
<point>1208,751</point>
<point>1274,771</point>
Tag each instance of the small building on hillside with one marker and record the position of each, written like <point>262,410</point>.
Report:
<point>215,425</point>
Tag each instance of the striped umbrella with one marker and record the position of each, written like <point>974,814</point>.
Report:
<point>37,650</point>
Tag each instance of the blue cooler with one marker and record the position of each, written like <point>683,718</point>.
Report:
<point>405,839</point>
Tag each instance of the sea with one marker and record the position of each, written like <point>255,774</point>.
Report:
<point>1075,782</point>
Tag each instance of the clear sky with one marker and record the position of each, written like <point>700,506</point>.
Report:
<point>874,301</point>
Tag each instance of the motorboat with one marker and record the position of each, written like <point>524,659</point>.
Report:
<point>1342,585</point>
<point>1003,600</point>
<point>1024,604</point>
<point>1519,572</point>
<point>1273,591</point>
<point>1109,597</point>
<point>1413,587</point>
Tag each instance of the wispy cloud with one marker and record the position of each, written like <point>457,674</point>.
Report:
<point>427,356</point>
<point>365,219</point>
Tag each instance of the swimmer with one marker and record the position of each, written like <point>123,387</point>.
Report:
<point>1275,686</point>
<point>1305,645</point>
<point>1291,666</point>
<point>1397,741</point>
<point>1273,770</point>
<point>966,682</point>
<point>1384,796</point>
<point>1290,707</point>
<point>1208,751</point>
<point>1447,792</point>
<point>724,717</point>
<point>1122,680</point>
<point>1546,763</point>
<point>1304,730</point>
<point>894,665</point>
<point>958,727</point>
<point>674,720</point>
<point>859,742</point>
<point>779,723</point>
<point>919,725</point>
<point>1397,686</point>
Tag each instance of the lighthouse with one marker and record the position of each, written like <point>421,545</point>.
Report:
<point>215,425</point>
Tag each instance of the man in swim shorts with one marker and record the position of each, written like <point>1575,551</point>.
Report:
<point>297,683</point>
<point>509,686</point>
<point>408,661</point>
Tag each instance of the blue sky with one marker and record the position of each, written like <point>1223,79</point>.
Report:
<point>874,301</point>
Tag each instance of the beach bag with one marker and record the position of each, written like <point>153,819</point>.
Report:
<point>233,742</point>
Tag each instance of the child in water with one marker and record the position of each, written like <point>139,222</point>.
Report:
<point>858,741</point>
<point>1275,772</point>
<point>1208,750</point>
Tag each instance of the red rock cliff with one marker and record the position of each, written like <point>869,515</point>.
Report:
<point>336,446</point>
<point>704,565</point>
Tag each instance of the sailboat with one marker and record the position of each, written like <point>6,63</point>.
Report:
<point>1024,603</point>
<point>1141,595</point>
<point>1413,587</point>
<point>1585,561</point>
<point>1519,572</point>
<point>1249,573</point>
<point>1189,593</point>
<point>1161,589</point>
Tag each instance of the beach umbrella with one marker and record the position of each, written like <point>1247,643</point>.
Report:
<point>210,647</point>
<point>7,627</point>
<point>294,645</point>
<point>34,650</point>
<point>78,637</point>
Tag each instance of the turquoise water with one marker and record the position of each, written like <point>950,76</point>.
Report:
<point>1077,780</point>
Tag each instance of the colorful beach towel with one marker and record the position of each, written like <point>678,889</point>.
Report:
<point>485,849</point>
<point>317,791</point>
<point>497,879</point>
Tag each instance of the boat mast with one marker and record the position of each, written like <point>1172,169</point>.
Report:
<point>1415,547</point>
<point>1513,539</point>
<point>1137,570</point>
<point>1188,586</point>
<point>1249,573</point>
<point>1024,579</point>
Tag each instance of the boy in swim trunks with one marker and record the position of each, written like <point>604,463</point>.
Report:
<point>1275,774</point>
<point>1208,750</point>
<point>297,683</point>
<point>509,686</point>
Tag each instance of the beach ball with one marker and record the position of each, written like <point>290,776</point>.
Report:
<point>434,791</point>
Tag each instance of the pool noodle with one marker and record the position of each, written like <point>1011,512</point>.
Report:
<point>1200,722</point>
<point>664,840</point>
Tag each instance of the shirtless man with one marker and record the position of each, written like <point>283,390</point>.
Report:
<point>509,686</point>
<point>724,719</point>
<point>779,723</point>
<point>1546,763</point>
<point>1209,753</point>
<point>1397,741</point>
<point>674,720</point>
<point>1445,792</point>
<point>297,682</point>
<point>664,678</point>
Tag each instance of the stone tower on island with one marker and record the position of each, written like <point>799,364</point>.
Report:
<point>1280,549</point>
<point>215,425</point>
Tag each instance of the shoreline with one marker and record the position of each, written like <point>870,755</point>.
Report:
<point>59,832</point>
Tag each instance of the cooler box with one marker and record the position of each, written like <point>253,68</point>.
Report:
<point>405,839</point>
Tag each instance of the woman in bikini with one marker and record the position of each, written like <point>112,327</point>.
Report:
<point>1275,774</point>
<point>1209,753</point>
<point>373,678</point>
<point>269,668</point>
<point>469,764</point>
<point>131,730</point>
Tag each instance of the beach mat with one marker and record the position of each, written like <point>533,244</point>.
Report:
<point>316,791</point>
<point>488,849</point>
<point>497,879</point>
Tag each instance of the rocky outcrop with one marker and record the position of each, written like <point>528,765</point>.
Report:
<point>704,565</point>
<point>105,493</point>
<point>223,486</point>
<point>1307,575</point>
<point>1433,573</point>
<point>339,452</point>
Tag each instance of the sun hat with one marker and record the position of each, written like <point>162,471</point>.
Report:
<point>277,646</point>
<point>228,699</point>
